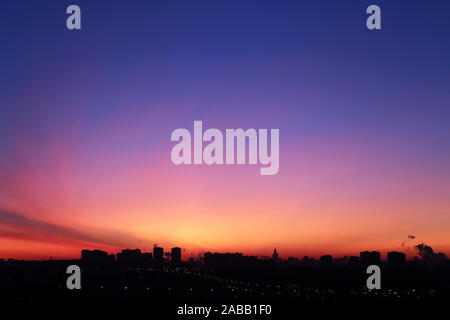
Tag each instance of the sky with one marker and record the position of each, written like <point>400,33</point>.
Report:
<point>86,118</point>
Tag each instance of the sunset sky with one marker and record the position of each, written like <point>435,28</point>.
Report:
<point>86,118</point>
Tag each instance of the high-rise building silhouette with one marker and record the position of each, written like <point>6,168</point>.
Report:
<point>158,254</point>
<point>175,255</point>
<point>370,258</point>
<point>96,257</point>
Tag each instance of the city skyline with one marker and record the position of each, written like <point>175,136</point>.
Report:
<point>157,253</point>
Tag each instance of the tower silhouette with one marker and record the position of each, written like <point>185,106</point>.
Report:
<point>275,254</point>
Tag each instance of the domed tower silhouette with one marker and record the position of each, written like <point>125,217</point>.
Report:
<point>275,254</point>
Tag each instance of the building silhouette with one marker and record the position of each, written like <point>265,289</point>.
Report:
<point>158,254</point>
<point>96,257</point>
<point>134,258</point>
<point>175,255</point>
<point>308,261</point>
<point>275,256</point>
<point>326,261</point>
<point>396,259</point>
<point>129,257</point>
<point>370,258</point>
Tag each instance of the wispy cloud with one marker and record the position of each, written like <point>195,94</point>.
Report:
<point>16,225</point>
